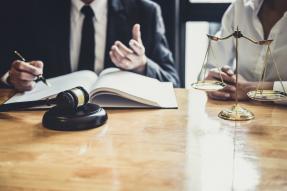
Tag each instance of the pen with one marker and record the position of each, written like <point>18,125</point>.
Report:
<point>39,77</point>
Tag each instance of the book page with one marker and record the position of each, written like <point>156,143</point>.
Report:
<point>134,87</point>
<point>167,98</point>
<point>113,100</point>
<point>83,78</point>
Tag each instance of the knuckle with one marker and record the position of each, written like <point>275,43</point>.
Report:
<point>36,71</point>
<point>39,63</point>
<point>16,64</point>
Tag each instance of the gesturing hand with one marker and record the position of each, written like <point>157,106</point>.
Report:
<point>131,58</point>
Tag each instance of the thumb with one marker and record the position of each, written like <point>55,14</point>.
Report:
<point>137,33</point>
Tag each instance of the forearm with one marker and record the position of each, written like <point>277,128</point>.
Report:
<point>263,86</point>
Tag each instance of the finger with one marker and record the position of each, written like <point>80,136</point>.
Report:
<point>230,89</point>
<point>123,48</point>
<point>132,57</point>
<point>218,95</point>
<point>217,76</point>
<point>137,33</point>
<point>38,64</point>
<point>226,69</point>
<point>21,75</point>
<point>117,53</point>
<point>26,67</point>
<point>121,63</point>
<point>114,58</point>
<point>137,47</point>
<point>126,64</point>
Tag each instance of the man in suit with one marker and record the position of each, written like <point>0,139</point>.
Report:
<point>69,35</point>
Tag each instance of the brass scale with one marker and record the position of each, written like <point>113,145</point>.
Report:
<point>236,112</point>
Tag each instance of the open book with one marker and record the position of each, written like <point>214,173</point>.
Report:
<point>113,88</point>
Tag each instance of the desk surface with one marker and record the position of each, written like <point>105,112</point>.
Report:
<point>185,149</point>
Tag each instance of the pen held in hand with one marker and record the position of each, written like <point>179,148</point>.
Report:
<point>39,77</point>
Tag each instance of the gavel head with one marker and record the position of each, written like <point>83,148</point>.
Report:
<point>73,112</point>
<point>71,100</point>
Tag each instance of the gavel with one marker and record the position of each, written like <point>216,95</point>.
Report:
<point>72,111</point>
<point>67,101</point>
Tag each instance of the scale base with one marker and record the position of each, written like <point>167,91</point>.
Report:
<point>236,113</point>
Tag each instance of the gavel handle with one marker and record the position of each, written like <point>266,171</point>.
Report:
<point>25,105</point>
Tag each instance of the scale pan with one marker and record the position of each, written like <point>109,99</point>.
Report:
<point>267,95</point>
<point>208,85</point>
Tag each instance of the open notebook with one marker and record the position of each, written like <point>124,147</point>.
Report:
<point>113,88</point>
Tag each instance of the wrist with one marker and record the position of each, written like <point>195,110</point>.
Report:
<point>141,69</point>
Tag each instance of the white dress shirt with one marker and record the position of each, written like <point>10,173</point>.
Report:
<point>100,8</point>
<point>244,14</point>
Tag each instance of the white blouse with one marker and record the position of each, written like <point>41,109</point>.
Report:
<point>243,13</point>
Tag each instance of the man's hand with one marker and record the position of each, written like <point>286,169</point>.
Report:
<point>22,74</point>
<point>131,58</point>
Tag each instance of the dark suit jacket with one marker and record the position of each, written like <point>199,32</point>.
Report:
<point>46,35</point>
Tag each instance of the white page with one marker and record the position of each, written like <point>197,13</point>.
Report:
<point>62,83</point>
<point>166,99</point>
<point>137,87</point>
<point>112,101</point>
<point>130,83</point>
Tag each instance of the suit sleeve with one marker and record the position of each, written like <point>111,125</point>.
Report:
<point>160,64</point>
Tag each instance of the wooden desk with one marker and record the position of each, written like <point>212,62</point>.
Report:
<point>185,149</point>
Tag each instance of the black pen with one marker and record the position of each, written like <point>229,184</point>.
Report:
<point>39,77</point>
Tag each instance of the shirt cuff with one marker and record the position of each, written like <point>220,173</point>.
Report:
<point>278,86</point>
<point>4,79</point>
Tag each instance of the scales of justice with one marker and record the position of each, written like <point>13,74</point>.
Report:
<point>236,112</point>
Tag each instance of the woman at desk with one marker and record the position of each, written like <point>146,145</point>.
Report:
<point>257,19</point>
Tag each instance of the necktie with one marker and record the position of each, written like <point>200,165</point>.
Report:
<point>87,51</point>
